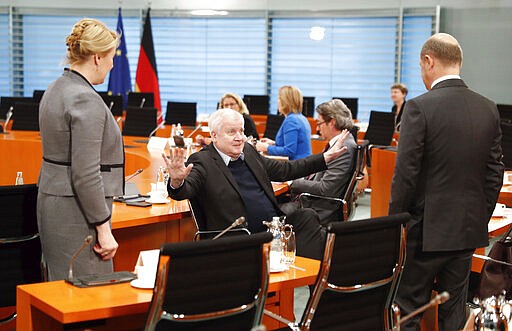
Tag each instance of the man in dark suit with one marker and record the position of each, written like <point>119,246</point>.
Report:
<point>448,175</point>
<point>229,179</point>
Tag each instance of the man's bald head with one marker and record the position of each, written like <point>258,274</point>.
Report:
<point>445,48</point>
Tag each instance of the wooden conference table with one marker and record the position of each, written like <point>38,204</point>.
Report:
<point>383,165</point>
<point>135,228</point>
<point>59,305</point>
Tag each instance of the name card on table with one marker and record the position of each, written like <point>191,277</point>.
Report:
<point>157,143</point>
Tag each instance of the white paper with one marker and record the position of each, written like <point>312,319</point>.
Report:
<point>157,143</point>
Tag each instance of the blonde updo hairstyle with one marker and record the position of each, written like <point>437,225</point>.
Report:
<point>89,37</point>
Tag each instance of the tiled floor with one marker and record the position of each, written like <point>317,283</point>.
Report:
<point>302,293</point>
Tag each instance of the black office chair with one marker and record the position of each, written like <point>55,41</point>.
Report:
<point>257,104</point>
<point>308,106</point>
<point>141,99</point>
<point>37,95</point>
<point>25,116</point>
<point>200,221</point>
<point>20,247</point>
<point>7,102</point>
<point>113,102</point>
<point>211,284</point>
<point>272,126</point>
<point>139,121</point>
<point>352,104</point>
<point>181,112</point>
<point>358,276</point>
<point>381,127</point>
<point>506,144</point>
<point>347,202</point>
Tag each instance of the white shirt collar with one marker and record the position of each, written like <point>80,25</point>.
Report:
<point>440,79</point>
<point>226,158</point>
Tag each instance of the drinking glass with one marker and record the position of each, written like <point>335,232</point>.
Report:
<point>290,248</point>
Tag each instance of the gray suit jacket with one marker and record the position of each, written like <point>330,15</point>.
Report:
<point>83,153</point>
<point>330,183</point>
<point>216,192</point>
<point>448,171</point>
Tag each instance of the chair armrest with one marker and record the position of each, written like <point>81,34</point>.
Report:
<point>305,194</point>
<point>281,319</point>
<point>19,239</point>
<point>8,319</point>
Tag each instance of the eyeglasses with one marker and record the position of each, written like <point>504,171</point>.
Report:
<point>320,123</point>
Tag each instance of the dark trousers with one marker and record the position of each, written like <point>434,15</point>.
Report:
<point>309,234</point>
<point>449,270</point>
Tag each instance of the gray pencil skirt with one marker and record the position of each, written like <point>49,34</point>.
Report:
<point>63,229</point>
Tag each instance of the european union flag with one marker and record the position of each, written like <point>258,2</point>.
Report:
<point>119,82</point>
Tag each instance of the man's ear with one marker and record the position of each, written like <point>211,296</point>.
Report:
<point>213,135</point>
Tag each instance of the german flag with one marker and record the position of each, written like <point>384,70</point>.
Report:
<point>146,77</point>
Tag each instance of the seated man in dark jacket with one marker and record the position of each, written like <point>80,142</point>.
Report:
<point>229,179</point>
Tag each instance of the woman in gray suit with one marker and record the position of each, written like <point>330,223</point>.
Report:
<point>83,158</point>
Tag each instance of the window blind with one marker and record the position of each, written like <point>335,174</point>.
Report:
<point>5,66</point>
<point>44,51</point>
<point>416,30</point>
<point>199,59</point>
<point>356,58</point>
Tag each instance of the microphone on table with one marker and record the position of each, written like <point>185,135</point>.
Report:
<point>8,116</point>
<point>142,102</point>
<point>96,279</point>
<point>437,300</point>
<point>193,131</point>
<point>159,126</point>
<point>136,173</point>
<point>237,222</point>
<point>86,242</point>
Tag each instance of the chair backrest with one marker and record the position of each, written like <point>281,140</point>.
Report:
<point>505,112</point>
<point>211,284</point>
<point>506,144</point>
<point>37,95</point>
<point>352,104</point>
<point>381,127</point>
<point>25,116</point>
<point>257,104</point>
<point>8,102</point>
<point>308,106</point>
<point>20,248</point>
<point>358,275</point>
<point>272,126</point>
<point>113,102</point>
<point>140,99</point>
<point>139,121</point>
<point>181,112</point>
<point>350,195</point>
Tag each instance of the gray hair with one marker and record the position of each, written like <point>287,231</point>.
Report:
<point>217,118</point>
<point>337,110</point>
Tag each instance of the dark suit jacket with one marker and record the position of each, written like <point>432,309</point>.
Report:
<point>214,189</point>
<point>448,171</point>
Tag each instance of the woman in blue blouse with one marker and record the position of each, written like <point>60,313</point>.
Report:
<point>294,136</point>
